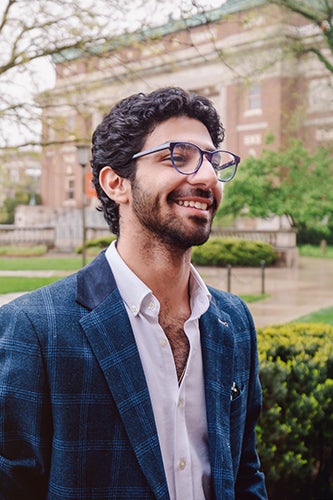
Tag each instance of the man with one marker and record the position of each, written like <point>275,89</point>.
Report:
<point>130,379</point>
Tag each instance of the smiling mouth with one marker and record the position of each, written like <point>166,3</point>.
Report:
<point>193,204</point>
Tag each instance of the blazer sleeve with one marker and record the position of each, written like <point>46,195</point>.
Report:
<point>25,417</point>
<point>250,482</point>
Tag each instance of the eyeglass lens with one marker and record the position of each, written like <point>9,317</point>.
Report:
<point>187,158</point>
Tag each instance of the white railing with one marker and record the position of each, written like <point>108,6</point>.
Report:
<point>28,235</point>
<point>67,237</point>
<point>278,239</point>
<point>11,234</point>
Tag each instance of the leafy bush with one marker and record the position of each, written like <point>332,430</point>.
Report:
<point>314,236</point>
<point>233,251</point>
<point>7,210</point>
<point>98,243</point>
<point>295,431</point>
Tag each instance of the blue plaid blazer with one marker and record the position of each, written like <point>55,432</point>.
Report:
<point>76,420</point>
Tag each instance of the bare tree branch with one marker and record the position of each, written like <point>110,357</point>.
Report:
<point>31,30</point>
<point>322,58</point>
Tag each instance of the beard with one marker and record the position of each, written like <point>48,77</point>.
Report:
<point>166,227</point>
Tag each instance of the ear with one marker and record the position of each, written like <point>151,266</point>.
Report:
<point>116,187</point>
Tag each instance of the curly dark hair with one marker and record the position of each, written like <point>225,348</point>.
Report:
<point>124,130</point>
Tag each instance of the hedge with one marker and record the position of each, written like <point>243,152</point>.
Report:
<point>315,236</point>
<point>216,251</point>
<point>295,431</point>
<point>233,251</point>
<point>97,243</point>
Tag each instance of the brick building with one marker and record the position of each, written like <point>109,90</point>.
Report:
<point>240,56</point>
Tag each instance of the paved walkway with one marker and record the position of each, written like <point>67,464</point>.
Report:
<point>292,292</point>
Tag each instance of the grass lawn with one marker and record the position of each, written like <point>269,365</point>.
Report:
<point>321,316</point>
<point>254,298</point>
<point>61,263</point>
<point>13,284</point>
<point>315,251</point>
<point>74,262</point>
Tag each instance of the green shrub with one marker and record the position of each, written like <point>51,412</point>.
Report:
<point>313,236</point>
<point>233,251</point>
<point>295,430</point>
<point>98,243</point>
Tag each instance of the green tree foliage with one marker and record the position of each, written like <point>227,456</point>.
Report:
<point>289,182</point>
<point>295,432</point>
<point>7,211</point>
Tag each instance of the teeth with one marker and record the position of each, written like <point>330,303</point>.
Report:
<point>193,204</point>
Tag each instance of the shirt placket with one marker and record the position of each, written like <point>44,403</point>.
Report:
<point>182,455</point>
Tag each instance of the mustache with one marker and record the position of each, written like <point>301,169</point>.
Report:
<point>188,193</point>
<point>197,192</point>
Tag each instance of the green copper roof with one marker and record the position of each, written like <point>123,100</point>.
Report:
<point>172,26</point>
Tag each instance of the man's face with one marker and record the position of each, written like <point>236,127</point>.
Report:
<point>175,209</point>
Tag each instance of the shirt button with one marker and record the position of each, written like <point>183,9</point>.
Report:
<point>163,342</point>
<point>151,305</point>
<point>134,309</point>
<point>182,464</point>
<point>179,402</point>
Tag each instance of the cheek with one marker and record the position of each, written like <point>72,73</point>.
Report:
<point>219,192</point>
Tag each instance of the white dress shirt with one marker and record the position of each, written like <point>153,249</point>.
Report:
<point>179,411</point>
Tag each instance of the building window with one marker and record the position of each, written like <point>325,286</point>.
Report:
<point>254,97</point>
<point>320,94</point>
<point>70,191</point>
<point>208,91</point>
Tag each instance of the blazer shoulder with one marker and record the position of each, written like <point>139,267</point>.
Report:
<point>61,290</point>
<point>89,285</point>
<point>226,299</point>
<point>232,305</point>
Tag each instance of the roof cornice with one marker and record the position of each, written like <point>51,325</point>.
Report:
<point>172,26</point>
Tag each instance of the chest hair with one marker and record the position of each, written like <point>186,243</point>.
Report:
<point>173,327</point>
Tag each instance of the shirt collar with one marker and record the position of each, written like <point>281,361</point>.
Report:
<point>136,294</point>
<point>132,290</point>
<point>199,293</point>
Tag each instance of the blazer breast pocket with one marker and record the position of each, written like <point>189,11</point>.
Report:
<point>237,405</point>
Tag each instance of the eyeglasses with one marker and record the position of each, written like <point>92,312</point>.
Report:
<point>187,158</point>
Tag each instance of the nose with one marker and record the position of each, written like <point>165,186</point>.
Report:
<point>205,176</point>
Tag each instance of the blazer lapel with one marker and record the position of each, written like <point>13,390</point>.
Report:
<point>109,332</point>
<point>218,351</point>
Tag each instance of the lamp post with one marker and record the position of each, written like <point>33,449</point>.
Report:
<point>83,156</point>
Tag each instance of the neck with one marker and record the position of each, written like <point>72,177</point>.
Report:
<point>164,270</point>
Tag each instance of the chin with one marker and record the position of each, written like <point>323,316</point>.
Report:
<point>200,241</point>
<point>202,233</point>
<point>186,241</point>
